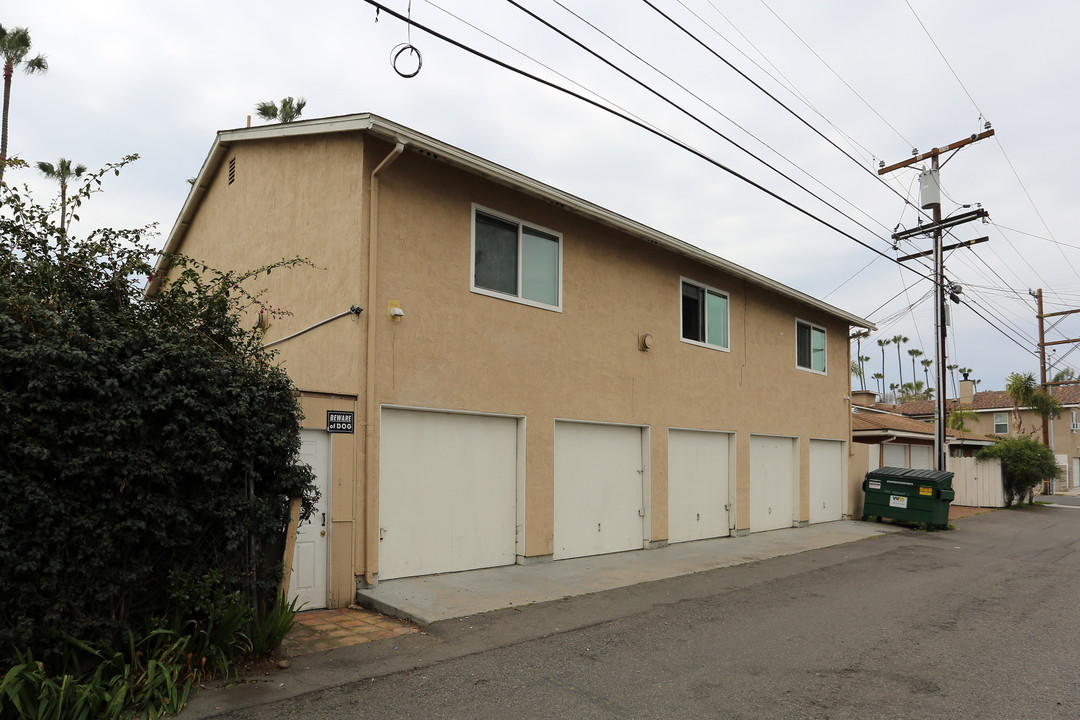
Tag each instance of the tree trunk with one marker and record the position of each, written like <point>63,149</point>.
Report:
<point>8,69</point>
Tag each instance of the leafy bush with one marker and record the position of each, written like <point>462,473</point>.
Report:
<point>147,443</point>
<point>149,680</point>
<point>1025,462</point>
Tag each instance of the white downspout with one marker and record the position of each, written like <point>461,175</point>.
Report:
<point>371,494</point>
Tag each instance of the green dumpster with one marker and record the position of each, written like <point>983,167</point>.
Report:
<point>918,496</point>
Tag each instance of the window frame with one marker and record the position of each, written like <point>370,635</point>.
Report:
<point>521,226</point>
<point>727,311</point>
<point>1005,422</point>
<point>825,348</point>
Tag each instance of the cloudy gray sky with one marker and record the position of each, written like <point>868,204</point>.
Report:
<point>160,78</point>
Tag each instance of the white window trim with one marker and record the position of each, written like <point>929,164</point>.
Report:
<point>718,291</point>
<point>996,423</point>
<point>520,223</point>
<point>812,326</point>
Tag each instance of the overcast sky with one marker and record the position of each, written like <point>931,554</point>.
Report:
<point>160,78</point>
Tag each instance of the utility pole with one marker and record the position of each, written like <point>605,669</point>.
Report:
<point>1043,344</point>
<point>931,199</point>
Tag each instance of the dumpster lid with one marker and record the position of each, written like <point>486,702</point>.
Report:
<point>910,474</point>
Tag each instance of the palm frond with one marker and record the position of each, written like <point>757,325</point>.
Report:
<point>267,110</point>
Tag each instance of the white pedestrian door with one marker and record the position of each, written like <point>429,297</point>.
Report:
<point>598,489</point>
<point>698,495</point>
<point>826,480</point>
<point>772,482</point>
<point>307,585</point>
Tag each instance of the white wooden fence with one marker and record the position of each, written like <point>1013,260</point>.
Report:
<point>977,483</point>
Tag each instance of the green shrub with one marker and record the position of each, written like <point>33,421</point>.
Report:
<point>147,445</point>
<point>1025,462</point>
<point>148,679</point>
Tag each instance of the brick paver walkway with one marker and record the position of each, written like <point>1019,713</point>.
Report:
<point>319,630</point>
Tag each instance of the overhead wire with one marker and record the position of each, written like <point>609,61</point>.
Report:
<point>768,94</point>
<point>712,107</point>
<point>633,121</point>
<point>550,69</point>
<point>679,108</point>
<point>783,81</point>
<point>981,115</point>
<point>833,71</point>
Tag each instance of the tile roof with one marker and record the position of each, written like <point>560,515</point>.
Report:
<point>870,421</point>
<point>987,400</point>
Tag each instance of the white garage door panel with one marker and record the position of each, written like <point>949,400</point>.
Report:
<point>894,455</point>
<point>307,583</point>
<point>772,482</point>
<point>826,480</point>
<point>922,457</point>
<point>447,492</point>
<point>598,489</point>
<point>697,485</point>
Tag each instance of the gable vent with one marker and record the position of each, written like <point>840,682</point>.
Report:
<point>232,170</point>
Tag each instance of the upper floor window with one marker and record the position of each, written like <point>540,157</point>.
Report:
<point>704,315</point>
<point>1001,423</point>
<point>809,346</point>
<point>517,261</point>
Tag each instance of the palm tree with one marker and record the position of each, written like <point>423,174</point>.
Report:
<point>959,417</point>
<point>880,378</point>
<point>926,363</point>
<point>14,47</point>
<point>290,109</point>
<point>899,340</point>
<point>881,344</point>
<point>952,374</point>
<point>1026,393</point>
<point>1064,375</point>
<point>915,353</point>
<point>863,359</point>
<point>61,172</point>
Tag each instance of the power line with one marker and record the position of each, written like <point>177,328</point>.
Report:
<point>678,107</point>
<point>712,107</point>
<point>838,77</point>
<point>538,62</point>
<point>772,97</point>
<point>633,121</point>
<point>783,81</point>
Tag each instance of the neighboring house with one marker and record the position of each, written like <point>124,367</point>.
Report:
<point>887,439</point>
<point>901,441</point>
<point>532,377</point>
<point>993,416</point>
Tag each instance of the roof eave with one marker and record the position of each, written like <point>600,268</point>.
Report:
<point>390,131</point>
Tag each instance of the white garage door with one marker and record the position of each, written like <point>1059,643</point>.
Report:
<point>772,482</point>
<point>922,457</point>
<point>447,492</point>
<point>307,583</point>
<point>894,455</point>
<point>698,494</point>
<point>826,480</point>
<point>598,489</point>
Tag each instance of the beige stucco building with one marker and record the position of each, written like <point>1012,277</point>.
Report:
<point>531,377</point>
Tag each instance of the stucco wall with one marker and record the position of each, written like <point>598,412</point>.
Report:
<point>459,350</point>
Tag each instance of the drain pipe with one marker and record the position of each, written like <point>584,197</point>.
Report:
<point>371,494</point>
